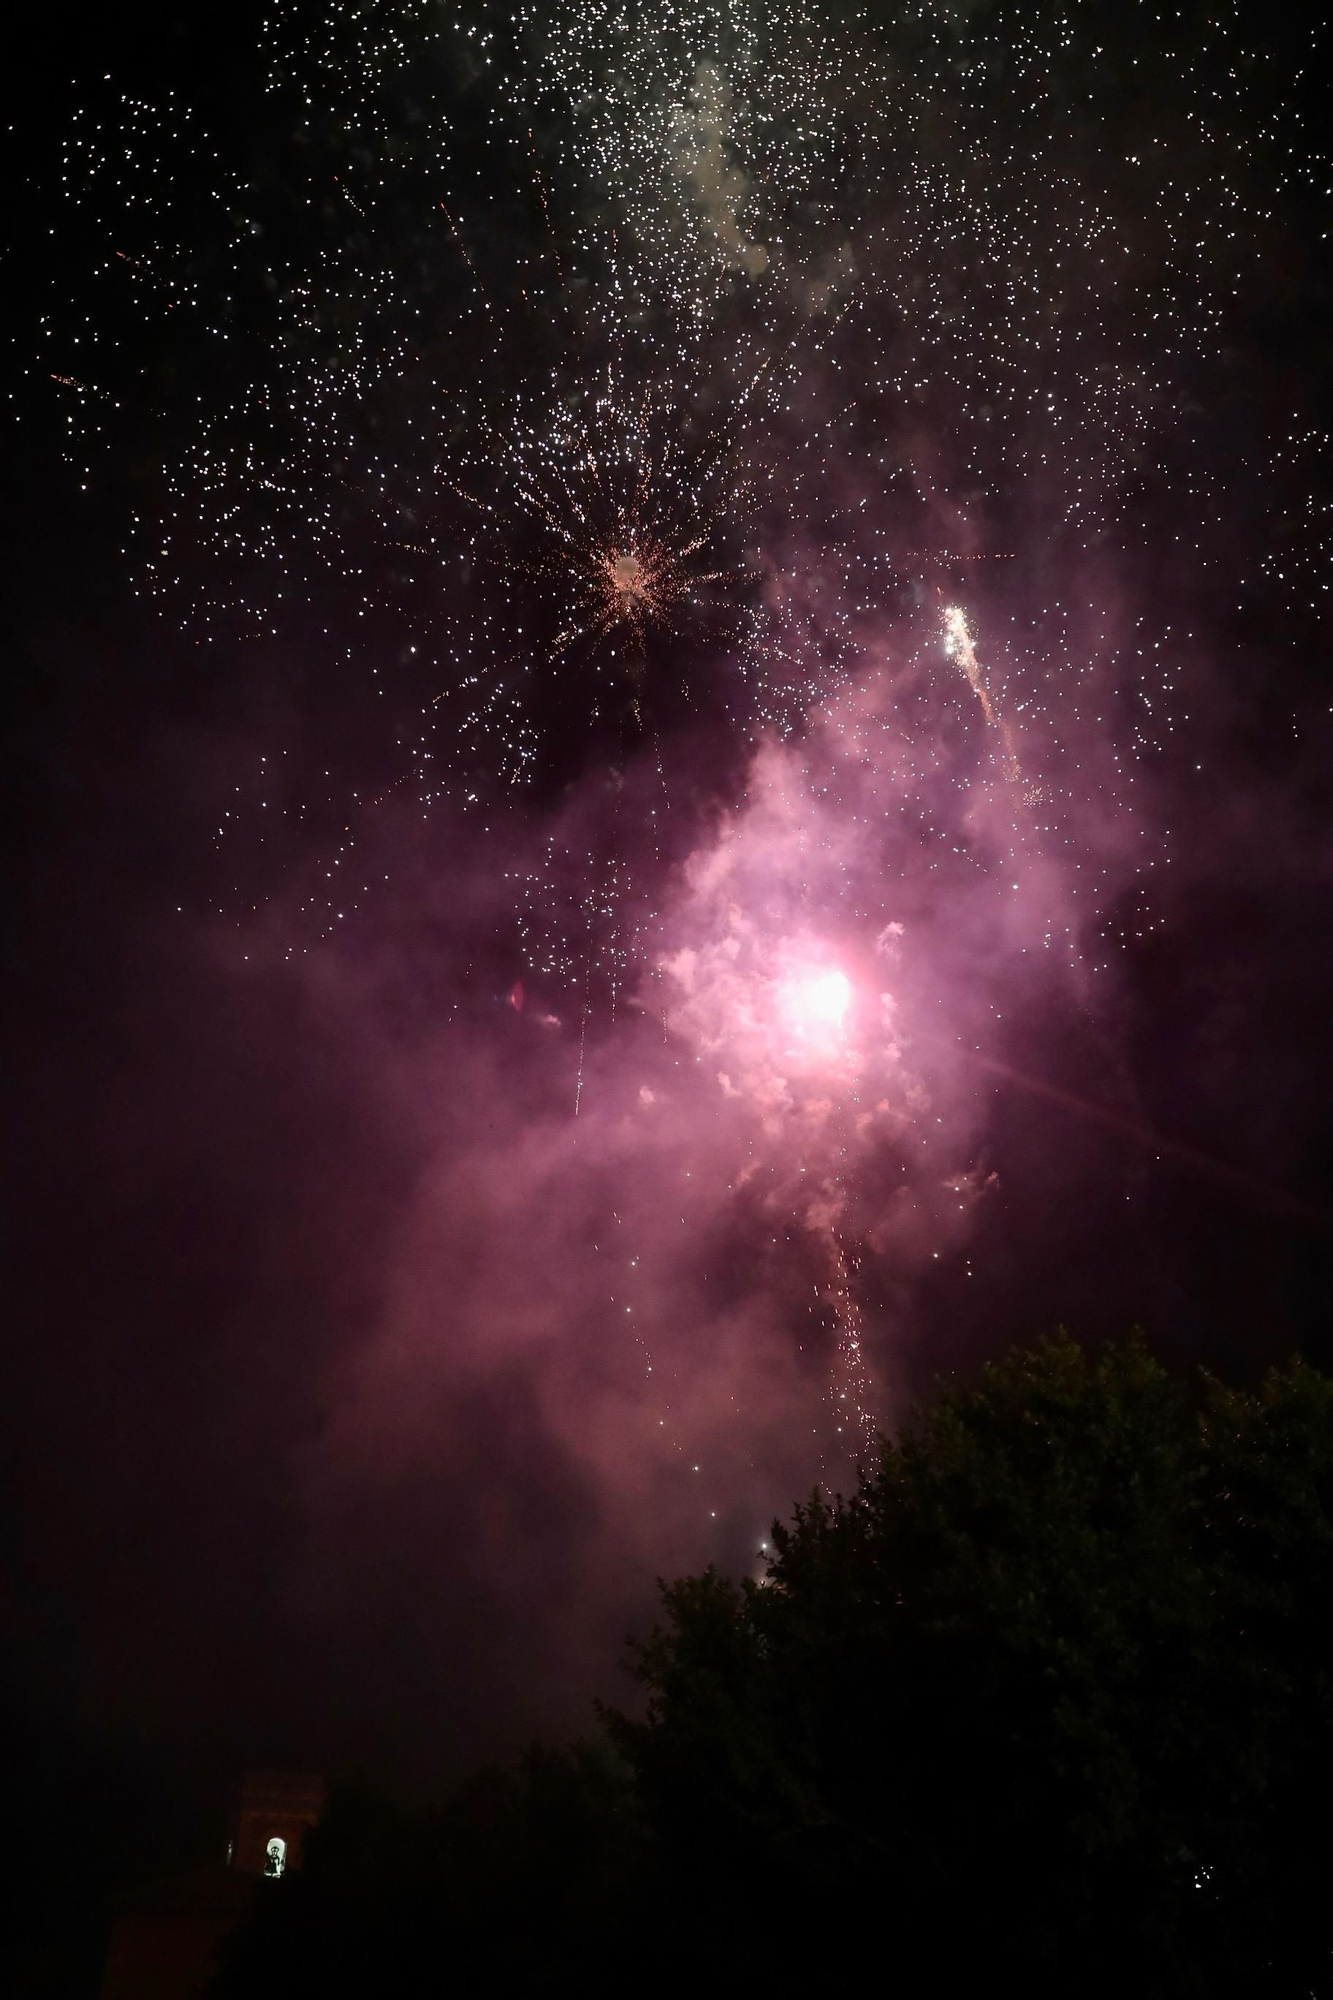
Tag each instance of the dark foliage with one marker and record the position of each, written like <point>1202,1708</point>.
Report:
<point>1047,1701</point>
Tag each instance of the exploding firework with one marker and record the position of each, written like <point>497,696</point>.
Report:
<point>710,197</point>
<point>627,517</point>
<point>601,386</point>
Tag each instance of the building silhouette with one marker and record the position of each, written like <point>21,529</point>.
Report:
<point>165,1936</point>
<point>275,1806</point>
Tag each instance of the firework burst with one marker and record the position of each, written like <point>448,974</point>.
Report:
<point>672,355</point>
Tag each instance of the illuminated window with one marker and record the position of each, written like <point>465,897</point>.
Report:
<point>275,1856</point>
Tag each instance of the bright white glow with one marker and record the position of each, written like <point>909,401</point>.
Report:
<point>816,1003</point>
<point>275,1856</point>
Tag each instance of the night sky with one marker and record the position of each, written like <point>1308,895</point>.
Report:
<point>668,758</point>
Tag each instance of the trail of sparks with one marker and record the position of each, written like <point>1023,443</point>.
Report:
<point>958,643</point>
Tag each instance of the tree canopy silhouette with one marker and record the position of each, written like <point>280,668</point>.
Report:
<point>1047,1698</point>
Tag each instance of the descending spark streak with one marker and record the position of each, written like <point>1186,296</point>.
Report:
<point>958,644</point>
<point>851,1366</point>
<point>583,1043</point>
<point>813,1007</point>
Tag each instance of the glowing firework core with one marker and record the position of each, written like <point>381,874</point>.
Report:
<point>636,585</point>
<point>816,1003</point>
<point>627,577</point>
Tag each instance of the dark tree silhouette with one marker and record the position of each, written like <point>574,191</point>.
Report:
<point>1046,1702</point>
<point>1050,1693</point>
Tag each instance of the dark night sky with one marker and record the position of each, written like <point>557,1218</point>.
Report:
<point>316,1441</point>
